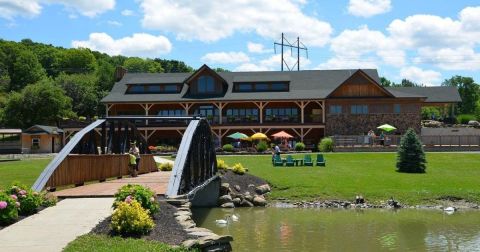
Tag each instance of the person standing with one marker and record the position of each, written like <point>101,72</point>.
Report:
<point>135,152</point>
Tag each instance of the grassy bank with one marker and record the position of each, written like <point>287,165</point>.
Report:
<point>372,175</point>
<point>102,243</point>
<point>23,171</point>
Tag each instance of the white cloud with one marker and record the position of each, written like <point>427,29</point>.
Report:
<point>31,8</point>
<point>127,12</point>
<point>348,63</point>
<point>368,8</point>
<point>114,23</point>
<point>85,7</point>
<point>139,44</point>
<point>213,20</point>
<point>272,63</point>
<point>249,67</point>
<point>257,48</point>
<point>12,8</point>
<point>462,58</point>
<point>418,75</point>
<point>225,58</point>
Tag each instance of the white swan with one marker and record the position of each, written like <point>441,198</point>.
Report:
<point>449,209</point>
<point>234,217</point>
<point>221,222</point>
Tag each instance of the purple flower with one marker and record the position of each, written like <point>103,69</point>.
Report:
<point>13,196</point>
<point>128,199</point>
<point>17,204</point>
<point>3,204</point>
<point>22,192</point>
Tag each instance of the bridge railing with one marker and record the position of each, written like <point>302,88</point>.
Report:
<point>196,161</point>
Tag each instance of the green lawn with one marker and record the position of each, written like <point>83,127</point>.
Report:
<point>23,171</point>
<point>371,174</point>
<point>102,243</point>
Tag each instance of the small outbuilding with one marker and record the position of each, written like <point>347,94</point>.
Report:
<point>42,139</point>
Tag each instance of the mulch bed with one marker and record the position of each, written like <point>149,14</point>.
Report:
<point>166,230</point>
<point>243,181</point>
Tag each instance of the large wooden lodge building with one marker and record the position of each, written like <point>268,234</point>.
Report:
<point>308,104</point>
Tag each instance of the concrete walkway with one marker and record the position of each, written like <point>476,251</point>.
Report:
<point>53,228</point>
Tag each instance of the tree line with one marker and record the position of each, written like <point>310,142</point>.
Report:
<point>43,84</point>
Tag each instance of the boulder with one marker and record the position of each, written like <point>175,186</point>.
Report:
<point>224,188</point>
<point>262,189</point>
<point>473,123</point>
<point>259,201</point>
<point>224,199</point>
<point>237,187</point>
<point>227,205</point>
<point>246,203</point>
<point>236,201</point>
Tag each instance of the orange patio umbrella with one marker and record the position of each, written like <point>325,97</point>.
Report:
<point>282,134</point>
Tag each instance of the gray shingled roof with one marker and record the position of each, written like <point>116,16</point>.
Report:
<point>36,129</point>
<point>306,84</point>
<point>433,94</point>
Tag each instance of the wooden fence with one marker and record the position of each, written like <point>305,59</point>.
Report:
<point>78,169</point>
<point>441,141</point>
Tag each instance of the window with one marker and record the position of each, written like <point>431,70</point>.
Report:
<point>260,87</point>
<point>35,143</point>
<point>396,108</point>
<point>206,84</point>
<point>153,89</point>
<point>281,114</point>
<point>171,112</point>
<point>335,109</point>
<point>359,109</point>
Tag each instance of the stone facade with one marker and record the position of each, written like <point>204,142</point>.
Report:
<point>348,124</point>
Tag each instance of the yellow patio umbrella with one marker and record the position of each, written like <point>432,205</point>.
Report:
<point>259,136</point>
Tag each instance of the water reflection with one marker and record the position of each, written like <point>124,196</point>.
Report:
<point>290,229</point>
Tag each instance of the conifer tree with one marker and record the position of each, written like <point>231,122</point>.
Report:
<point>410,154</point>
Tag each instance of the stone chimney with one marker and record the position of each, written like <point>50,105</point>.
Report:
<point>119,73</point>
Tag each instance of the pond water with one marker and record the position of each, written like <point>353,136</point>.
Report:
<point>295,229</point>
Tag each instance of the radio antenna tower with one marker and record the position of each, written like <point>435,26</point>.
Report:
<point>286,44</point>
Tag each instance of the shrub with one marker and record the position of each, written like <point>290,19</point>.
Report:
<point>167,166</point>
<point>299,146</point>
<point>410,155</point>
<point>28,199</point>
<point>143,195</point>
<point>465,118</point>
<point>428,112</point>
<point>130,218</point>
<point>221,165</point>
<point>326,144</point>
<point>8,209</point>
<point>227,148</point>
<point>48,200</point>
<point>239,169</point>
<point>262,146</point>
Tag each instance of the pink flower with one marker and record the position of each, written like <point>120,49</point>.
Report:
<point>152,199</point>
<point>22,192</point>
<point>128,199</point>
<point>3,204</point>
<point>13,196</point>
<point>17,204</point>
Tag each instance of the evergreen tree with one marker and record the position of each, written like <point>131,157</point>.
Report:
<point>410,154</point>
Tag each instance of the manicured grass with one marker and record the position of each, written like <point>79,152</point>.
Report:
<point>372,175</point>
<point>23,171</point>
<point>102,243</point>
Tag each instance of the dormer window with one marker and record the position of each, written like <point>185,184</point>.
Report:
<point>154,88</point>
<point>206,84</point>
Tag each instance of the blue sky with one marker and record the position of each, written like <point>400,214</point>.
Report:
<point>426,41</point>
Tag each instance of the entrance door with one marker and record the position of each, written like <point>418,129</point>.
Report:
<point>53,144</point>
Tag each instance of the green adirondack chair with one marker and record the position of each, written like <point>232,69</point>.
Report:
<point>277,161</point>
<point>290,161</point>
<point>307,160</point>
<point>320,160</point>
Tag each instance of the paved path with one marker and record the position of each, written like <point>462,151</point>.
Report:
<point>157,181</point>
<point>53,228</point>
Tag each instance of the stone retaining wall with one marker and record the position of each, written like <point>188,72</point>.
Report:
<point>347,124</point>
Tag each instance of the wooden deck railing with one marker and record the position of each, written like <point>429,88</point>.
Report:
<point>78,169</point>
